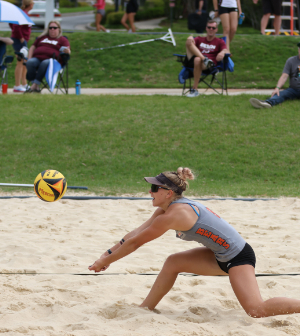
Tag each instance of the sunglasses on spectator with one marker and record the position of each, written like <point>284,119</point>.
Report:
<point>154,188</point>
<point>53,28</point>
<point>209,27</point>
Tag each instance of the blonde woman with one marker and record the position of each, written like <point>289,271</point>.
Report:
<point>20,35</point>
<point>229,12</point>
<point>225,252</point>
<point>48,45</point>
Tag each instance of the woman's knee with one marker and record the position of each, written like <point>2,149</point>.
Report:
<point>257,311</point>
<point>170,264</point>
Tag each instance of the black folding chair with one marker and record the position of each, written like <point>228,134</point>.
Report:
<point>219,85</point>
<point>216,84</point>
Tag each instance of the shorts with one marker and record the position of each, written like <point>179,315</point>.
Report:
<point>227,10</point>
<point>272,7</point>
<point>245,257</point>
<point>132,7</point>
<point>101,11</point>
<point>189,63</point>
<point>18,45</point>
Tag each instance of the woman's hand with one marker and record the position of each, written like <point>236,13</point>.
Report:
<point>99,265</point>
<point>22,40</point>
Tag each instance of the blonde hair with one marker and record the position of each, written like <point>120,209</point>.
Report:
<point>26,3</point>
<point>180,177</point>
<point>46,31</point>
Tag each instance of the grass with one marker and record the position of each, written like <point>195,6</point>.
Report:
<point>65,10</point>
<point>110,143</point>
<point>259,60</point>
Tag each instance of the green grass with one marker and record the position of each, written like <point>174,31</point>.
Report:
<point>65,10</point>
<point>110,143</point>
<point>259,60</point>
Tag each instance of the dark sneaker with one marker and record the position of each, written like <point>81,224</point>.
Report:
<point>259,103</point>
<point>193,93</point>
<point>208,63</point>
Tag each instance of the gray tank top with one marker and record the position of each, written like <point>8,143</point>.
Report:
<point>213,232</point>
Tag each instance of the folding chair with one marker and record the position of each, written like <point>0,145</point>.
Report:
<point>4,60</point>
<point>62,83</point>
<point>221,68</point>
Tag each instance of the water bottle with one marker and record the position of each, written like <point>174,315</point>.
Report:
<point>241,18</point>
<point>78,87</point>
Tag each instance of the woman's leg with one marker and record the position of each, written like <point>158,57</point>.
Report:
<point>264,22</point>
<point>123,21</point>
<point>225,20</point>
<point>245,287</point>
<point>18,73</point>
<point>200,261</point>
<point>98,20</point>
<point>131,21</point>
<point>233,18</point>
<point>24,72</point>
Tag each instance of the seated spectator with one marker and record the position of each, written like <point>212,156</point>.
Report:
<point>48,45</point>
<point>204,52</point>
<point>291,70</point>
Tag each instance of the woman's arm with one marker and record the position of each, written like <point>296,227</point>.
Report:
<point>216,8</point>
<point>31,51</point>
<point>6,40</point>
<point>238,2</point>
<point>150,230</point>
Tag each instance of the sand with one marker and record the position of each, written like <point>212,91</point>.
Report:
<point>63,238</point>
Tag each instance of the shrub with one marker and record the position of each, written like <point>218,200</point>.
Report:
<point>114,18</point>
<point>83,4</point>
<point>66,3</point>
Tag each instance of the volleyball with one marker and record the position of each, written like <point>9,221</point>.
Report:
<point>50,185</point>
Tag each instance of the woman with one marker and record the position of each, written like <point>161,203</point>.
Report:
<point>131,9</point>
<point>225,251</point>
<point>229,12</point>
<point>20,34</point>
<point>48,45</point>
<point>100,6</point>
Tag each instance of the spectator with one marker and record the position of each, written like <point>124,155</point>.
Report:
<point>48,45</point>
<point>200,6</point>
<point>229,12</point>
<point>270,7</point>
<point>291,70</point>
<point>203,53</point>
<point>131,9</point>
<point>20,35</point>
<point>100,7</point>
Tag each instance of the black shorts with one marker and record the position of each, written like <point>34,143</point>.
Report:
<point>189,63</point>
<point>272,7</point>
<point>132,7</point>
<point>245,257</point>
<point>227,10</point>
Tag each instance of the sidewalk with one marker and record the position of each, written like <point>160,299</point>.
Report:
<point>151,92</point>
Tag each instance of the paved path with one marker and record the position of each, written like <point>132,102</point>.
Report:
<point>150,92</point>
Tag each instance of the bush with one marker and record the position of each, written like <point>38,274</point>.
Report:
<point>253,13</point>
<point>114,18</point>
<point>83,4</point>
<point>66,3</point>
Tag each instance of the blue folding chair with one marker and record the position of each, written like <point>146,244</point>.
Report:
<point>4,60</point>
<point>186,74</point>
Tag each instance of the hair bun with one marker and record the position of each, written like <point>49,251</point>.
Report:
<point>185,174</point>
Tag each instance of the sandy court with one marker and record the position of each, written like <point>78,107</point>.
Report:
<point>65,237</point>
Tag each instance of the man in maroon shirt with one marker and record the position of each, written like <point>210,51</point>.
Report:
<point>204,52</point>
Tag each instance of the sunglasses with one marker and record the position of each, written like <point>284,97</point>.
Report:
<point>154,188</point>
<point>53,28</point>
<point>208,27</point>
